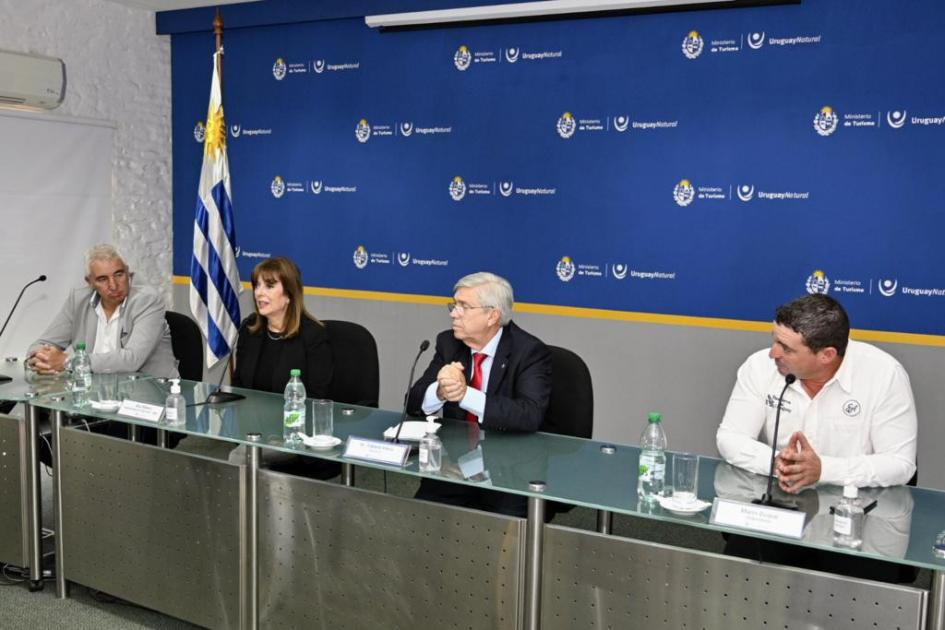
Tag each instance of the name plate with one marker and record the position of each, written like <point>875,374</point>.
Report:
<point>376,451</point>
<point>758,518</point>
<point>140,410</point>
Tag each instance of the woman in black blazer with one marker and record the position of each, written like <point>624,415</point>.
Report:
<point>281,335</point>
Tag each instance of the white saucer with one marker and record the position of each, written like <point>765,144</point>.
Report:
<point>107,406</point>
<point>321,442</point>
<point>685,509</point>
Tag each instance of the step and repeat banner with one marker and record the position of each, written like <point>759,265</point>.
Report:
<point>703,163</point>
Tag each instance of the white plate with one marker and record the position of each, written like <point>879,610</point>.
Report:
<point>684,509</point>
<point>321,443</point>
<point>106,406</point>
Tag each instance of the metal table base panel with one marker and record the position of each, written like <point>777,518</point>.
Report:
<point>590,580</point>
<point>337,557</point>
<point>14,517</point>
<point>155,527</point>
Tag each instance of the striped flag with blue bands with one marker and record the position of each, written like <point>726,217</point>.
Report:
<point>214,278</point>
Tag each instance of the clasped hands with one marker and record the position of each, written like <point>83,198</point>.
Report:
<point>451,382</point>
<point>47,360</point>
<point>797,465</point>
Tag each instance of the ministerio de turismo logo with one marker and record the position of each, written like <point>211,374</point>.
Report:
<point>683,193</point>
<point>279,69</point>
<point>826,121</point>
<point>277,187</point>
<point>566,125</point>
<point>462,58</point>
<point>692,45</point>
<point>565,269</point>
<point>363,131</point>
<point>817,283</point>
<point>360,257</point>
<point>200,132</point>
<point>457,188</point>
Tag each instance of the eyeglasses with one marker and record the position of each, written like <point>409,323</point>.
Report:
<point>462,308</point>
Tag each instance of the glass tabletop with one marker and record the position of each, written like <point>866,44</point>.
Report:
<point>902,528</point>
<point>26,385</point>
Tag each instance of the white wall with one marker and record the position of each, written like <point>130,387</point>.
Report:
<point>117,70</point>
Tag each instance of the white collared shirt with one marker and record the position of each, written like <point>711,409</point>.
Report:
<point>107,331</point>
<point>474,401</point>
<point>862,424</point>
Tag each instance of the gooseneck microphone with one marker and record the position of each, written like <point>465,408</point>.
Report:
<point>42,278</point>
<point>767,499</point>
<point>219,396</point>
<point>413,368</point>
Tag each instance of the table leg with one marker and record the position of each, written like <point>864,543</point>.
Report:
<point>605,522</point>
<point>533,538</point>
<point>937,602</point>
<point>62,588</point>
<point>347,474</point>
<point>249,537</point>
<point>33,498</point>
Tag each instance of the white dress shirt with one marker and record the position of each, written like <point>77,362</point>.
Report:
<point>474,401</point>
<point>107,330</point>
<point>862,424</point>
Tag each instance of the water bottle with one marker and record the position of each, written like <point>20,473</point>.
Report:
<point>175,407</point>
<point>293,412</point>
<point>431,451</point>
<point>848,519</point>
<point>652,460</point>
<point>81,376</point>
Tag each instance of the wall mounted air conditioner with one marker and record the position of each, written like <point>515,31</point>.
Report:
<point>31,81</point>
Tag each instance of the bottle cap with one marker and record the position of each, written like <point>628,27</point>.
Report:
<point>850,491</point>
<point>295,372</point>
<point>80,346</point>
<point>654,416</point>
<point>175,385</point>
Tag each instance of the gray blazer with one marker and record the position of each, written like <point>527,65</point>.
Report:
<point>144,340</point>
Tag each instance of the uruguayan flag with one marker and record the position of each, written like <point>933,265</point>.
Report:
<point>214,278</point>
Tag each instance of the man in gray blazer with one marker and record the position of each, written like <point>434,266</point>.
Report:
<point>123,326</point>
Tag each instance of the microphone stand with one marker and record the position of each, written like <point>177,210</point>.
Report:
<point>766,498</point>
<point>3,377</point>
<point>413,368</point>
<point>219,397</point>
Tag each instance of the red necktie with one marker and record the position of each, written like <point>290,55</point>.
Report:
<point>476,382</point>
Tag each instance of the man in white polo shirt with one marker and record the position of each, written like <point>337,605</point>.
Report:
<point>849,418</point>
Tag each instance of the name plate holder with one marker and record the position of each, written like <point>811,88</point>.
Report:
<point>140,410</point>
<point>377,451</point>
<point>758,518</point>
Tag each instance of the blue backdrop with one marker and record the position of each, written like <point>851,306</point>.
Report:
<point>706,163</point>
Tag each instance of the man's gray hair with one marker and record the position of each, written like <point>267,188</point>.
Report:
<point>494,291</point>
<point>103,251</point>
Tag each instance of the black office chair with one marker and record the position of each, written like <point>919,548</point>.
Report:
<point>187,344</point>
<point>356,378</point>
<point>571,407</point>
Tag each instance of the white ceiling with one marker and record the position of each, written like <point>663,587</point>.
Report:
<point>172,5</point>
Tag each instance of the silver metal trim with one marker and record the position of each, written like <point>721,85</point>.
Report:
<point>533,545</point>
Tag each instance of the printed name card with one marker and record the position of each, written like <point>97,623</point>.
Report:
<point>378,451</point>
<point>758,518</point>
<point>140,410</point>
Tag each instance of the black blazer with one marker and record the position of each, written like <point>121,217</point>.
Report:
<point>519,384</point>
<point>309,351</point>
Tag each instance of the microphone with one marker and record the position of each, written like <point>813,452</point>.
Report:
<point>219,396</point>
<point>413,368</point>
<point>42,278</point>
<point>766,498</point>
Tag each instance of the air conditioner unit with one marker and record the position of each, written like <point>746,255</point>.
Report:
<point>31,81</point>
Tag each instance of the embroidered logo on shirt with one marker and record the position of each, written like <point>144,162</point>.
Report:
<point>772,401</point>
<point>851,408</point>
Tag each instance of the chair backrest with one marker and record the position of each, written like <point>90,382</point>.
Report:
<point>187,344</point>
<point>571,408</point>
<point>356,378</point>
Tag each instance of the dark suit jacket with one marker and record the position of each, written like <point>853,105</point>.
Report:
<point>519,384</point>
<point>309,351</point>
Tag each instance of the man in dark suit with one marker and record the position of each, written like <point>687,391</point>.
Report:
<point>486,371</point>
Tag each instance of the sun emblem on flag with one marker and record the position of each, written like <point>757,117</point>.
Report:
<point>215,132</point>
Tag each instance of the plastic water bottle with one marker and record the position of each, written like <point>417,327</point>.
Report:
<point>175,407</point>
<point>81,376</point>
<point>652,460</point>
<point>293,412</point>
<point>848,519</point>
<point>431,451</point>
